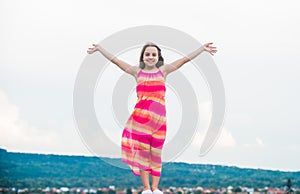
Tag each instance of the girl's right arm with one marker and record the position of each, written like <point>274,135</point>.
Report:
<point>132,70</point>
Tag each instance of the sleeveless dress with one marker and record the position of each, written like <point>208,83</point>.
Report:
<point>145,131</point>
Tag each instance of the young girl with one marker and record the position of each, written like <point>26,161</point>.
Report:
<point>145,131</point>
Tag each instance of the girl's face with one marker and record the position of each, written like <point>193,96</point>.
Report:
<point>150,56</point>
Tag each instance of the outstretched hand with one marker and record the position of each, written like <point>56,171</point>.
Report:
<point>93,49</point>
<point>209,48</point>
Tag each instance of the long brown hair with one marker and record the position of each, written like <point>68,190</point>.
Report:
<point>160,61</point>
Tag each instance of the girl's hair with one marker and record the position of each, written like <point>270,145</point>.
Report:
<point>160,61</point>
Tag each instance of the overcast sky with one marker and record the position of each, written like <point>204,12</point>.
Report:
<point>43,44</point>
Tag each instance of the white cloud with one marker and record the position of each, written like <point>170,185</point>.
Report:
<point>294,148</point>
<point>15,132</point>
<point>259,143</point>
<point>18,135</point>
<point>225,139</point>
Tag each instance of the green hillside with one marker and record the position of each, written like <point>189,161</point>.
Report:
<point>42,170</point>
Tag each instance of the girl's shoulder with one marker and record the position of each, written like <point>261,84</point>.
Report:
<point>136,70</point>
<point>163,71</point>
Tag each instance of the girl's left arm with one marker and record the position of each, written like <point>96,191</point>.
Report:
<point>178,63</point>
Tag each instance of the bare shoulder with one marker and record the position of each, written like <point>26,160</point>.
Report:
<point>134,70</point>
<point>162,68</point>
<point>167,69</point>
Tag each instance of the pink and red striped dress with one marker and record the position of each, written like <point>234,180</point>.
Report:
<point>145,131</point>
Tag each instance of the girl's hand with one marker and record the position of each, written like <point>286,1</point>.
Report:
<point>93,49</point>
<point>211,49</point>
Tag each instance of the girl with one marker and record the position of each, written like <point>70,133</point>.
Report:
<point>145,131</point>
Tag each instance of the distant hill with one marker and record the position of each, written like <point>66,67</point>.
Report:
<point>42,170</point>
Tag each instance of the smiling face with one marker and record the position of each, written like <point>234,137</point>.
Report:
<point>150,56</point>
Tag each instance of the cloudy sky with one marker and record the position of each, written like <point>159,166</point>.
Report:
<point>43,44</point>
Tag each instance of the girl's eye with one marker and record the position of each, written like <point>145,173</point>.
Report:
<point>147,54</point>
<point>154,55</point>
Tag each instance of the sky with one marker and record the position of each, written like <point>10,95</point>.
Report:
<point>43,44</point>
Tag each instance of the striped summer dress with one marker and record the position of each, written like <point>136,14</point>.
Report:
<point>145,131</point>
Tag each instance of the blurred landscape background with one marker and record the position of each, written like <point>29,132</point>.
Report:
<point>24,170</point>
<point>43,44</point>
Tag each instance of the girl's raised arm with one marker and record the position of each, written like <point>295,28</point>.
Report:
<point>178,63</point>
<point>121,64</point>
